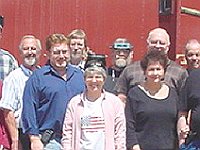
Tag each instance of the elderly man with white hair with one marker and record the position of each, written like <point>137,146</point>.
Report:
<point>133,74</point>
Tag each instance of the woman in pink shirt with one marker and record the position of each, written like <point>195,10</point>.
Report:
<point>94,119</point>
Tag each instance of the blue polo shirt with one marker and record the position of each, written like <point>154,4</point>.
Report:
<point>46,96</point>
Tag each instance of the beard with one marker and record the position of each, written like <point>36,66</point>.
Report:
<point>30,61</point>
<point>120,63</point>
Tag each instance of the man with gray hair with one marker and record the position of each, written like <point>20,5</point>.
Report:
<point>13,88</point>
<point>121,55</point>
<point>175,75</point>
<point>192,54</point>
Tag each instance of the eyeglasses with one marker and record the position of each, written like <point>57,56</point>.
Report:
<point>29,48</point>
<point>125,52</point>
<point>58,52</point>
<point>161,43</point>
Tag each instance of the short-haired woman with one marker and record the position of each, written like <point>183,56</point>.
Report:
<point>95,119</point>
<point>151,108</point>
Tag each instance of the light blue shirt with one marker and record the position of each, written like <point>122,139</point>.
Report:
<point>12,92</point>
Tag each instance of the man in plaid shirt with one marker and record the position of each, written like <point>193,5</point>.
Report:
<point>7,62</point>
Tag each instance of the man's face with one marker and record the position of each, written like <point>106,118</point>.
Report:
<point>193,57</point>
<point>77,47</point>
<point>59,56</point>
<point>159,41</point>
<point>30,52</point>
<point>121,57</point>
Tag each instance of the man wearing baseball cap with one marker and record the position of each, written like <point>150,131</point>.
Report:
<point>122,55</point>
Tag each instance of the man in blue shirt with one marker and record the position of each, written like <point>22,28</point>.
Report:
<point>47,93</point>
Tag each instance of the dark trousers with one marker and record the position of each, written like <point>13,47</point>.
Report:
<point>24,139</point>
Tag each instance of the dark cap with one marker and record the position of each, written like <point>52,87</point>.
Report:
<point>98,60</point>
<point>121,44</point>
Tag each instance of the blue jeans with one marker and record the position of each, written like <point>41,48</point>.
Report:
<point>193,145</point>
<point>53,145</point>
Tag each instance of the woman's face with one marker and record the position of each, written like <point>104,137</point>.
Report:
<point>154,72</point>
<point>94,82</point>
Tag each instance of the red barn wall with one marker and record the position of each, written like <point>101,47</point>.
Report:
<point>103,21</point>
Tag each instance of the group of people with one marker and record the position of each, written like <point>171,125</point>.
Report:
<point>75,102</point>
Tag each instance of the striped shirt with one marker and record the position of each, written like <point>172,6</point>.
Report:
<point>92,126</point>
<point>13,88</point>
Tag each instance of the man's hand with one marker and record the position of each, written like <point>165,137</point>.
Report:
<point>36,143</point>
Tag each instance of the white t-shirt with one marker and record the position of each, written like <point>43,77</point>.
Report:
<point>92,126</point>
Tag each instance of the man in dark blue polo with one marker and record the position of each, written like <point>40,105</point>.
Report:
<point>47,93</point>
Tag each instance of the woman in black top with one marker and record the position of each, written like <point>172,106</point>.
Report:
<point>151,108</point>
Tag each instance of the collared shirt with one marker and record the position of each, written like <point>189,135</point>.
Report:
<point>13,88</point>
<point>7,63</point>
<point>46,96</point>
<point>175,76</point>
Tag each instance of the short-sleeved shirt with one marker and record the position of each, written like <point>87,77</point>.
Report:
<point>13,89</point>
<point>46,96</point>
<point>175,76</point>
<point>7,63</point>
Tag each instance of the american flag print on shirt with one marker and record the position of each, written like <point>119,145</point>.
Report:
<point>92,124</point>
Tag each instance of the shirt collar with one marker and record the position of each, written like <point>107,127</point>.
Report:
<point>69,70</point>
<point>26,71</point>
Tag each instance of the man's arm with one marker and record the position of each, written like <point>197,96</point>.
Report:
<point>12,128</point>
<point>122,97</point>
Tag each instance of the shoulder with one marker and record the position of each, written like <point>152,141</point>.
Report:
<point>111,97</point>
<point>135,64</point>
<point>175,66</point>
<point>195,74</point>
<point>74,69</point>
<point>134,91</point>
<point>7,53</point>
<point>43,69</point>
<point>132,69</point>
<point>75,101</point>
<point>14,75</point>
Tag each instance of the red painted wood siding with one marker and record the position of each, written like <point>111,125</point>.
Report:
<point>103,21</point>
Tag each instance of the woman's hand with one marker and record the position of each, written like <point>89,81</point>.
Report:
<point>183,133</point>
<point>136,147</point>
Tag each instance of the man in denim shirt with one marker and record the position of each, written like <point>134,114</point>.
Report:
<point>47,93</point>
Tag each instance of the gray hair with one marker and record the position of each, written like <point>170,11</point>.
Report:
<point>95,69</point>
<point>39,46</point>
<point>159,30</point>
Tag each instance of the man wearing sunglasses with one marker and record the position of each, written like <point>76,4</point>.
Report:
<point>122,55</point>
